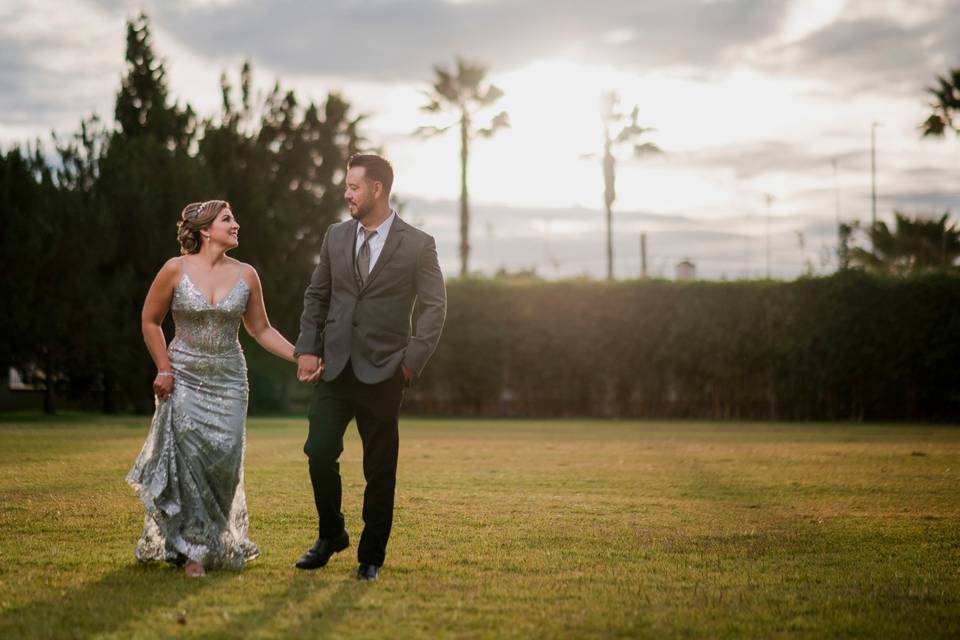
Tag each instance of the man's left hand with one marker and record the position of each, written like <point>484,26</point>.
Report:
<point>407,373</point>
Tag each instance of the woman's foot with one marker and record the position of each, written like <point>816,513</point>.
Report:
<point>195,569</point>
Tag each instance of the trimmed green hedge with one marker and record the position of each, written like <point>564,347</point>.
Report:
<point>845,347</point>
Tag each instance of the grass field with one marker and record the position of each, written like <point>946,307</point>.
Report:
<point>554,529</point>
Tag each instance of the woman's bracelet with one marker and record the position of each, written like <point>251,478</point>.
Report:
<point>165,374</point>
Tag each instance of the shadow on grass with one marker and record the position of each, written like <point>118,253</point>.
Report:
<point>106,605</point>
<point>312,619</point>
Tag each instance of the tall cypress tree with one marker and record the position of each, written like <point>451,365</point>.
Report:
<point>147,176</point>
<point>142,107</point>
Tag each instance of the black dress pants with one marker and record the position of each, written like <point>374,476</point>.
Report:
<point>376,408</point>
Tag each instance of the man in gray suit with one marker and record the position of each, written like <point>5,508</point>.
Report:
<point>359,347</point>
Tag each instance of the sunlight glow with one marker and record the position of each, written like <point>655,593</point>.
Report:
<point>551,154</point>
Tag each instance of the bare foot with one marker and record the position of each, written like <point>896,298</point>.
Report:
<point>194,569</point>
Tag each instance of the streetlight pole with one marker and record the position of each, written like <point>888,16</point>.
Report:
<point>643,256</point>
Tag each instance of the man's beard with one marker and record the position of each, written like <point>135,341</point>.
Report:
<point>362,211</point>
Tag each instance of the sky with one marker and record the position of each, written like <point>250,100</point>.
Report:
<point>764,109</point>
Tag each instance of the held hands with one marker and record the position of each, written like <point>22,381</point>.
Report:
<point>163,384</point>
<point>309,368</point>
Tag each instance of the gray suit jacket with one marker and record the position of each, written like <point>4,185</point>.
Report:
<point>371,326</point>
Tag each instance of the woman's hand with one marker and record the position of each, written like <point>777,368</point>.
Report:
<point>163,384</point>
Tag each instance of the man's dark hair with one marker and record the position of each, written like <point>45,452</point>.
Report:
<point>377,169</point>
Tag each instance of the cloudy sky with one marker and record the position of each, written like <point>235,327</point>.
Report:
<point>748,98</point>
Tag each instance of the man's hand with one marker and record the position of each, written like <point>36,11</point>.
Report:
<point>309,368</point>
<point>407,373</point>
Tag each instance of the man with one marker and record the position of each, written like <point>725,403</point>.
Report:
<point>356,343</point>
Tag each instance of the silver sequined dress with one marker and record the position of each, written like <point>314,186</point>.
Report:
<point>189,473</point>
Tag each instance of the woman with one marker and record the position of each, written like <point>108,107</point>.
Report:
<point>190,471</point>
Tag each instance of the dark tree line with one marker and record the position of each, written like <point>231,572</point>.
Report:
<point>85,226</point>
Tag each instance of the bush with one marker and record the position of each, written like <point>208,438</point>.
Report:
<point>846,347</point>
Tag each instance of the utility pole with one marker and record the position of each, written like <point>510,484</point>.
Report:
<point>643,256</point>
<point>769,199</point>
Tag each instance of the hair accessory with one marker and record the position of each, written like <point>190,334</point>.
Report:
<point>196,212</point>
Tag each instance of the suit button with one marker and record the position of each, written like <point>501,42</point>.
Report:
<point>356,324</point>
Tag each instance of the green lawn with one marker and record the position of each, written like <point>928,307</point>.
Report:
<point>553,529</point>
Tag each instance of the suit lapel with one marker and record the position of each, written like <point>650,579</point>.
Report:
<point>350,254</point>
<point>394,238</point>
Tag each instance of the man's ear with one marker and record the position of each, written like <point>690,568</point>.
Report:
<point>377,189</point>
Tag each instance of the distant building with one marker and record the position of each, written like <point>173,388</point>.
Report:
<point>16,381</point>
<point>18,393</point>
<point>686,270</point>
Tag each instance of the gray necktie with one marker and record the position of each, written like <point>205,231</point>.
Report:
<point>363,257</point>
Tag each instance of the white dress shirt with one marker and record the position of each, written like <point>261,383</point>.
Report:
<point>377,241</point>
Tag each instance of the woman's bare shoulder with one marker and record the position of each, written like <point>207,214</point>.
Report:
<point>247,272</point>
<point>172,269</point>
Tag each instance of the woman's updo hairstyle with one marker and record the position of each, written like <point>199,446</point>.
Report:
<point>195,217</point>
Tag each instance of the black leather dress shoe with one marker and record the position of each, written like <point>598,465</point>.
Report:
<point>368,572</point>
<point>319,554</point>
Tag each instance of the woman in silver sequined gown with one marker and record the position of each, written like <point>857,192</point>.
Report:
<point>189,473</point>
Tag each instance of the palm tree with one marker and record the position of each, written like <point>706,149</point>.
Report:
<point>913,246</point>
<point>618,129</point>
<point>946,106</point>
<point>466,93</point>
